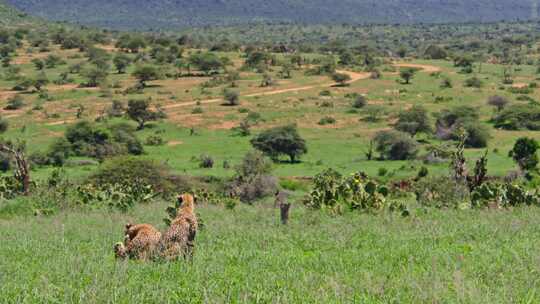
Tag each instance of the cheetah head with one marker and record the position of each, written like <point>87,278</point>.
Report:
<point>186,200</point>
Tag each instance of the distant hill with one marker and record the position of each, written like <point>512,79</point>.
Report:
<point>11,16</point>
<point>169,14</point>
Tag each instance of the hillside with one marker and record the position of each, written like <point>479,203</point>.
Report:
<point>142,14</point>
<point>10,16</point>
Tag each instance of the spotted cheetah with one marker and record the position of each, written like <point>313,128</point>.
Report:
<point>180,237</point>
<point>140,242</point>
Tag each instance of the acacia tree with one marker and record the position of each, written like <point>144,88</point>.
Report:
<point>341,78</point>
<point>206,62</point>
<point>279,141</point>
<point>498,102</point>
<point>146,73</point>
<point>94,76</point>
<point>139,111</point>
<point>121,62</point>
<point>407,75</point>
<point>40,81</point>
<point>232,98</point>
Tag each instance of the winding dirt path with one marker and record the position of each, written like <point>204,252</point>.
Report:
<point>355,76</point>
<point>425,67</point>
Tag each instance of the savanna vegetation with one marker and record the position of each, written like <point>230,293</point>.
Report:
<point>406,154</point>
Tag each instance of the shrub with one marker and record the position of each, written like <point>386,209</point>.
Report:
<point>450,122</point>
<point>253,117</point>
<point>197,110</point>
<point>253,178</point>
<point>518,117</point>
<point>525,154</point>
<point>478,135</point>
<point>243,129</point>
<point>206,161</point>
<point>14,103</point>
<point>473,82</point>
<point>124,170</point>
<point>86,139</point>
<point>414,121</point>
<point>374,113</point>
<point>446,83</point>
<point>327,120</point>
<point>442,192</point>
<point>520,90</point>
<point>117,109</point>
<point>359,102</point>
<point>327,104</point>
<point>341,78</point>
<point>155,140</point>
<point>498,102</point>
<point>395,145</point>
<point>423,172</point>
<point>325,93</point>
<point>281,141</point>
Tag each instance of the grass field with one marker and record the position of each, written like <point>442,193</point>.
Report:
<point>245,256</point>
<point>300,103</point>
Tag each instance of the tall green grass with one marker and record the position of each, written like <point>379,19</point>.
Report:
<point>245,256</point>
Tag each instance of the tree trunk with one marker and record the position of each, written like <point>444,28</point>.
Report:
<point>22,172</point>
<point>293,158</point>
<point>284,211</point>
<point>141,125</point>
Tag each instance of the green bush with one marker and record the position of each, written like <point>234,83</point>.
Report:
<point>450,122</point>
<point>473,82</point>
<point>86,139</point>
<point>126,169</point>
<point>206,161</point>
<point>155,140</point>
<point>442,192</point>
<point>525,154</point>
<point>413,121</point>
<point>14,103</point>
<point>327,120</point>
<point>395,145</point>
<point>359,102</point>
<point>518,117</point>
<point>253,179</point>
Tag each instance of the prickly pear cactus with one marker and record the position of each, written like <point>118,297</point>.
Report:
<point>334,192</point>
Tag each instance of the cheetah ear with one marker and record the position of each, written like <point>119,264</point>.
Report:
<point>195,199</point>
<point>129,225</point>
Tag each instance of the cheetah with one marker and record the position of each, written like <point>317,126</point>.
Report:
<point>180,237</point>
<point>140,242</point>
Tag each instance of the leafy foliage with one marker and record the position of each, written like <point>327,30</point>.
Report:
<point>281,141</point>
<point>336,193</point>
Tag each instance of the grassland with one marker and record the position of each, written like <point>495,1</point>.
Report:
<point>245,256</point>
<point>295,100</point>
